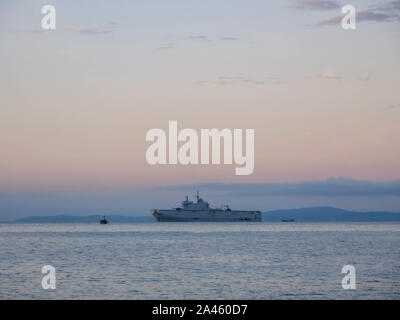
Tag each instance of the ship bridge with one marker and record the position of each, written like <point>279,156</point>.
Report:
<point>199,205</point>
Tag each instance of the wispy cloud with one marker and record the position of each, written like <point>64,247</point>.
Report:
<point>166,46</point>
<point>112,24</point>
<point>394,106</point>
<point>199,38</point>
<point>265,36</point>
<point>315,4</point>
<point>93,31</point>
<point>330,74</point>
<point>108,28</point>
<point>364,78</point>
<point>366,15</point>
<point>334,187</point>
<point>236,80</point>
<point>228,38</point>
<point>204,38</point>
<point>194,38</point>
<point>35,30</point>
<point>388,12</point>
<point>391,6</point>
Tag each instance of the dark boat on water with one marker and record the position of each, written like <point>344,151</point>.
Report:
<point>103,221</point>
<point>285,220</point>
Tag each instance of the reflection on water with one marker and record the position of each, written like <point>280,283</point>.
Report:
<point>200,260</point>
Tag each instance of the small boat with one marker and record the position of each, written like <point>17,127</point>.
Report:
<point>103,221</point>
<point>285,220</point>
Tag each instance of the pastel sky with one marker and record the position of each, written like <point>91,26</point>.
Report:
<point>76,102</point>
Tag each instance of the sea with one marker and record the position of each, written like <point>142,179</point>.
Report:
<point>242,260</point>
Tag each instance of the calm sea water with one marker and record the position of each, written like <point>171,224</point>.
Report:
<point>200,260</point>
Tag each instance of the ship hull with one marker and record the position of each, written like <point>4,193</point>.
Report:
<point>205,216</point>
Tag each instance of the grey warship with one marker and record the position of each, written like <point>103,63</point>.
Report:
<point>200,211</point>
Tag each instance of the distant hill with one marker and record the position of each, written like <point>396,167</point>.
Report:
<point>315,214</point>
<point>83,219</point>
<point>328,214</point>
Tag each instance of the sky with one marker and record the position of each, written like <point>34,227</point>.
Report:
<point>76,102</point>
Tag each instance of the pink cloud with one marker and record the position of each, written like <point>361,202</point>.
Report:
<point>316,4</point>
<point>366,15</point>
